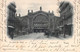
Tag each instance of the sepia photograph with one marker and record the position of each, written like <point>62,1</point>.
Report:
<point>39,21</point>
<point>39,25</point>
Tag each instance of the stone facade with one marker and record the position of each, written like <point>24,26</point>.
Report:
<point>11,12</point>
<point>13,23</point>
<point>66,14</point>
<point>11,19</point>
<point>39,21</point>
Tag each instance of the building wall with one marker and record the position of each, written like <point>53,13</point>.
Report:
<point>11,14</point>
<point>39,20</point>
<point>66,15</point>
<point>11,19</point>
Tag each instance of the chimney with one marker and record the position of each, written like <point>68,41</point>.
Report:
<point>49,11</point>
<point>31,11</point>
<point>19,15</point>
<point>52,12</point>
<point>40,8</point>
<point>28,11</point>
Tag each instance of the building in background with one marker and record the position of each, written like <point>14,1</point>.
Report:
<point>39,21</point>
<point>13,23</point>
<point>66,14</point>
<point>11,19</point>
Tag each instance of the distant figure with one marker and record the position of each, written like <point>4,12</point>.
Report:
<point>47,33</point>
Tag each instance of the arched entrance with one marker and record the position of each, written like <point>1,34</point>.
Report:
<point>40,23</point>
<point>40,30</point>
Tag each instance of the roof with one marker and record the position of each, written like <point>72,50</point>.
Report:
<point>37,13</point>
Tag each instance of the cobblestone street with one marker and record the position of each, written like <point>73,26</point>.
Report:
<point>33,36</point>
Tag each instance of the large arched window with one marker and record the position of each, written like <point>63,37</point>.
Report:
<point>40,21</point>
<point>40,17</point>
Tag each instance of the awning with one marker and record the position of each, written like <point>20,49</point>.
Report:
<point>69,24</point>
<point>61,26</point>
<point>10,26</point>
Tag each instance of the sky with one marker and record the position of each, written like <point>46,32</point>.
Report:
<point>22,6</point>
